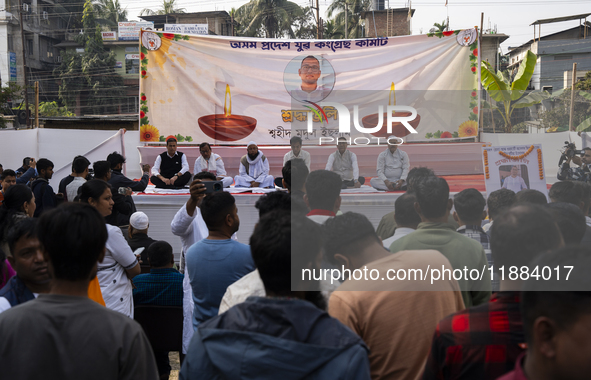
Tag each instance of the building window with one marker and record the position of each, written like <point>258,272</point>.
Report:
<point>30,48</point>
<point>132,66</point>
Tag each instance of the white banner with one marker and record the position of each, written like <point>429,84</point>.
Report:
<point>130,31</point>
<point>187,28</point>
<point>230,90</point>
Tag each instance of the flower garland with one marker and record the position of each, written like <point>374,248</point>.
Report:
<point>486,173</point>
<point>531,148</point>
<point>540,167</point>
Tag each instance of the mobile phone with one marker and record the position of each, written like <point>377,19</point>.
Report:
<point>122,190</point>
<point>213,186</point>
<point>27,161</point>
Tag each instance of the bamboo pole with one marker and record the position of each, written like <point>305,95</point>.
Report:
<point>572,98</point>
<point>36,104</point>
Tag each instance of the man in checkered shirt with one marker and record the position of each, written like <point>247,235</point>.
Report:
<point>469,212</point>
<point>483,342</point>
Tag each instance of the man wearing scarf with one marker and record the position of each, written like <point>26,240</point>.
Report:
<point>254,169</point>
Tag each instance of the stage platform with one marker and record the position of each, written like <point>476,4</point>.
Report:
<point>161,208</point>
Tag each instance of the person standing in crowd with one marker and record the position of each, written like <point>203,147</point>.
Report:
<point>171,169</point>
<point>568,192</point>
<point>392,168</point>
<point>73,336</point>
<point>29,174</point>
<point>217,261</point>
<point>433,205</point>
<point>79,173</point>
<point>188,224</point>
<point>287,334</point>
<point>123,204</point>
<point>27,259</point>
<point>394,318</point>
<point>254,169</point>
<point>556,323</point>
<point>7,179</point>
<point>344,163</point>
<point>19,204</point>
<point>323,195</point>
<point>469,212</point>
<point>496,202</point>
<point>137,234</point>
<point>45,198</point>
<point>119,264</point>
<point>67,180</point>
<point>483,342</point>
<point>531,196</point>
<point>118,180</point>
<point>213,163</point>
<point>162,286</point>
<point>406,217</point>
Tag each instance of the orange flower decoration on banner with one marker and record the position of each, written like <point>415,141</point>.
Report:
<point>531,148</point>
<point>540,165</point>
<point>485,154</point>
<point>149,133</point>
<point>468,129</point>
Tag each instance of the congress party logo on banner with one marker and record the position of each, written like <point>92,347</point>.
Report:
<point>231,90</point>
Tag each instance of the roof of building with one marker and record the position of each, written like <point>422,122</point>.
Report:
<point>546,36</point>
<point>157,19</point>
<point>560,19</point>
<point>412,11</point>
<point>501,36</point>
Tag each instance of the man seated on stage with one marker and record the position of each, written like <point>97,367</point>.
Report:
<point>297,152</point>
<point>211,162</point>
<point>344,163</point>
<point>254,169</point>
<point>171,169</point>
<point>392,169</point>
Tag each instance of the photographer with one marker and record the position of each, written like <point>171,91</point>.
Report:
<point>583,172</point>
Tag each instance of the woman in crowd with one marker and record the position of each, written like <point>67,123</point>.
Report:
<point>19,203</point>
<point>120,264</point>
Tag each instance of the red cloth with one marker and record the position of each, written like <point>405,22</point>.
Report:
<point>318,211</point>
<point>482,342</point>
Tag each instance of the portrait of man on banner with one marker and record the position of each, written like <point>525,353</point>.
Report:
<point>514,177</point>
<point>314,80</point>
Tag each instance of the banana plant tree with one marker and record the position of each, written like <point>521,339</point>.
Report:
<point>500,88</point>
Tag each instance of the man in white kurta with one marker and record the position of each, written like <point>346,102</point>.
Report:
<point>213,163</point>
<point>514,182</point>
<point>297,152</point>
<point>392,168</point>
<point>254,169</point>
<point>344,163</point>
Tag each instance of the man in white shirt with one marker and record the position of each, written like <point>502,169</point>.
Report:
<point>297,152</point>
<point>344,163</point>
<point>254,169</point>
<point>392,168</point>
<point>213,163</point>
<point>171,169</point>
<point>514,182</point>
<point>188,224</point>
<point>406,217</point>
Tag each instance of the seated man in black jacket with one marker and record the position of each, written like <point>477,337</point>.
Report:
<point>171,169</point>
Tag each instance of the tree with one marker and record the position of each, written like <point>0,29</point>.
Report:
<point>305,24</point>
<point>354,20</point>
<point>168,7</point>
<point>439,27</point>
<point>90,76</point>
<point>268,18</point>
<point>332,30</point>
<point>509,92</point>
<point>557,118</point>
<point>585,83</point>
<point>109,11</point>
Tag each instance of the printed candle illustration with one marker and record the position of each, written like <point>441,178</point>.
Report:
<point>398,129</point>
<point>227,127</point>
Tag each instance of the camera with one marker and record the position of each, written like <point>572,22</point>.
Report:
<point>213,186</point>
<point>569,151</point>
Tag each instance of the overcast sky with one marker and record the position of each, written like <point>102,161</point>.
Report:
<point>510,17</point>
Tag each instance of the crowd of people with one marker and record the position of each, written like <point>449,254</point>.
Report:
<point>292,303</point>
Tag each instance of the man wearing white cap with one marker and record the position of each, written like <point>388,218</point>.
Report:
<point>393,165</point>
<point>254,169</point>
<point>138,234</point>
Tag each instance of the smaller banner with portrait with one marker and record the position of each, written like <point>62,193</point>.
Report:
<point>516,168</point>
